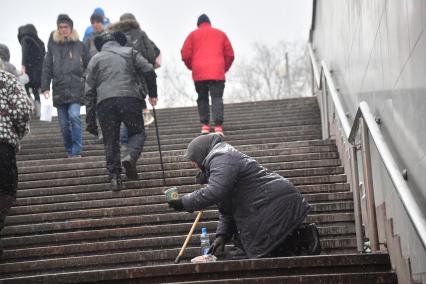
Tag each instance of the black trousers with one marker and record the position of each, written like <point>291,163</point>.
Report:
<point>215,88</point>
<point>111,113</point>
<point>8,180</point>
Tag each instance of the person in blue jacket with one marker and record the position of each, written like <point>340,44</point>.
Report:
<point>89,29</point>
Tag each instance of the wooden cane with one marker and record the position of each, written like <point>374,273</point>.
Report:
<point>177,260</point>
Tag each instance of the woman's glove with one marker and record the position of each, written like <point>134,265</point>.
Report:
<point>176,204</point>
<point>219,243</point>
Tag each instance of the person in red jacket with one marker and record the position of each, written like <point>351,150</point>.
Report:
<point>208,53</point>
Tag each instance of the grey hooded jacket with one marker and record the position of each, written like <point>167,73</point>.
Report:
<point>263,207</point>
<point>113,73</point>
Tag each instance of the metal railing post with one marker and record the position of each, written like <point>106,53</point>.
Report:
<point>324,113</point>
<point>357,200</point>
<point>368,182</point>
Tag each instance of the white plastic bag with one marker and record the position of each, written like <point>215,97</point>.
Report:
<point>46,109</point>
<point>204,259</point>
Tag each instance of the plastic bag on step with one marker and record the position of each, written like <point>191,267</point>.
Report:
<point>204,259</point>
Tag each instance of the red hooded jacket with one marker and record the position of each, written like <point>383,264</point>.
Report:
<point>208,53</point>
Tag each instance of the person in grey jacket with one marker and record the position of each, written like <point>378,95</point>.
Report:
<point>112,95</point>
<point>9,67</point>
<point>65,63</point>
<point>5,57</point>
<point>138,39</point>
<point>15,109</point>
<point>262,210</point>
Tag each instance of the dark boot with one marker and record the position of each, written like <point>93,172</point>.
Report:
<point>115,183</point>
<point>236,253</point>
<point>310,240</point>
<point>130,166</point>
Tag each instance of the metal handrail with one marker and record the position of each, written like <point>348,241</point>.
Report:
<point>404,193</point>
<point>336,100</point>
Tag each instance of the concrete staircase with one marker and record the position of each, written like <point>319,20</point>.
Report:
<point>67,227</point>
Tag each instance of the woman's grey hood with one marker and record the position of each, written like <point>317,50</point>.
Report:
<point>201,146</point>
<point>4,52</point>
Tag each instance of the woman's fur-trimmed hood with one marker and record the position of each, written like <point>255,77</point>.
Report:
<point>123,26</point>
<point>58,38</point>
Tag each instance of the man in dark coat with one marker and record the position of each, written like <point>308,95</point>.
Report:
<point>33,52</point>
<point>112,95</point>
<point>208,53</point>
<point>261,208</point>
<point>65,63</point>
<point>15,111</point>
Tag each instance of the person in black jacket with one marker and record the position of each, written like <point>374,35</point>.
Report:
<point>33,52</point>
<point>112,95</point>
<point>260,209</point>
<point>65,63</point>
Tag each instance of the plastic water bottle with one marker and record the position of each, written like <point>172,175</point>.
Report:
<point>205,242</point>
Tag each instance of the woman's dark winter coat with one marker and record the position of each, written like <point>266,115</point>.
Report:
<point>33,52</point>
<point>260,205</point>
<point>65,64</point>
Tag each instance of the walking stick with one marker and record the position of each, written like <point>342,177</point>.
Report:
<point>159,145</point>
<point>188,237</point>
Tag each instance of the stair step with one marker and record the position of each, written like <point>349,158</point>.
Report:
<point>40,198</point>
<point>135,220</point>
<point>141,200</point>
<point>364,266</point>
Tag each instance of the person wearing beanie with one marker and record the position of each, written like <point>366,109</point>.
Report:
<point>5,57</point>
<point>65,19</point>
<point>97,22</point>
<point>9,67</point>
<point>208,53</point>
<point>64,65</point>
<point>112,97</point>
<point>33,52</point>
<point>89,30</point>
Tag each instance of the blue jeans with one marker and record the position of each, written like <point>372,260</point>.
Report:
<point>124,134</point>
<point>70,124</point>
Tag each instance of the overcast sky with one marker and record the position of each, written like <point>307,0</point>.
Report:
<point>167,22</point>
